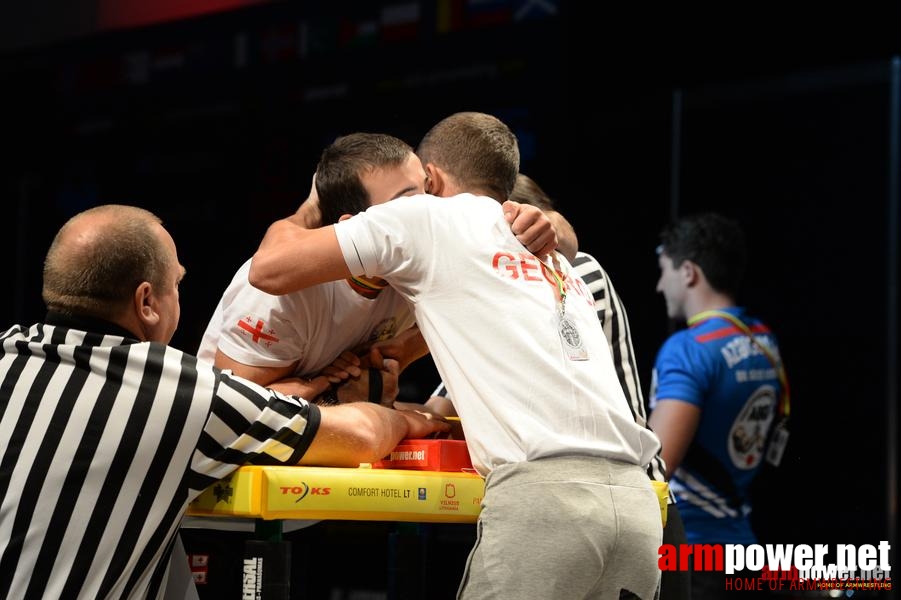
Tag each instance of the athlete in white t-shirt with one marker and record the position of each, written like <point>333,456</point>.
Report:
<point>302,332</point>
<point>568,509</point>
<point>287,342</point>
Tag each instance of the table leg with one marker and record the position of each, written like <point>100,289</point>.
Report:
<point>267,564</point>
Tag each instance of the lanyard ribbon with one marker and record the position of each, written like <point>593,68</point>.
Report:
<point>785,404</point>
<point>561,285</point>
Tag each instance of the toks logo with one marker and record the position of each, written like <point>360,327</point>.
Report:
<point>302,490</point>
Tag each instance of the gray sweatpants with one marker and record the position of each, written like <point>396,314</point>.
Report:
<point>565,528</point>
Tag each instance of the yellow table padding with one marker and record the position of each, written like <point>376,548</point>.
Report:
<point>362,494</point>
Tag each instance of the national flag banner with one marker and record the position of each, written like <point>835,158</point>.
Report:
<point>535,10</point>
<point>456,15</point>
<point>358,32</point>
<point>449,16</point>
<point>400,21</point>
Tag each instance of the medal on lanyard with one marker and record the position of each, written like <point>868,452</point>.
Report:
<point>570,338</point>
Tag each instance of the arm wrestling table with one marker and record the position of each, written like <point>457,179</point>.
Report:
<point>363,494</point>
<point>271,495</point>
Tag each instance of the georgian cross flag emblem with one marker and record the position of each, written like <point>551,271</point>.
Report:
<point>256,331</point>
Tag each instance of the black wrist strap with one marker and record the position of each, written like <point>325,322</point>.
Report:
<point>329,397</point>
<point>375,385</point>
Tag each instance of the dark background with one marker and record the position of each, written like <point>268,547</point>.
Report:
<point>215,122</point>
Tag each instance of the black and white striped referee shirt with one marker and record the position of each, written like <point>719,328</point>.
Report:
<point>612,315</point>
<point>104,441</point>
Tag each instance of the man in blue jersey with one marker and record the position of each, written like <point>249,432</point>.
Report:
<point>717,386</point>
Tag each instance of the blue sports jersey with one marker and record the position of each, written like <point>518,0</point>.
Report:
<point>714,365</point>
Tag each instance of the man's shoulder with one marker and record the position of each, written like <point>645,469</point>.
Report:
<point>590,270</point>
<point>585,262</point>
<point>685,342</point>
<point>15,331</point>
<point>751,320</point>
<point>241,290</point>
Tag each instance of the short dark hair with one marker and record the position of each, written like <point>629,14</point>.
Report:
<point>713,242</point>
<point>341,165</point>
<point>478,150</point>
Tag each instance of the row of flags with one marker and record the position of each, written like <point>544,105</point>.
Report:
<point>304,38</point>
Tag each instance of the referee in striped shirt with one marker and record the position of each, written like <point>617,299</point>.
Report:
<point>107,433</point>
